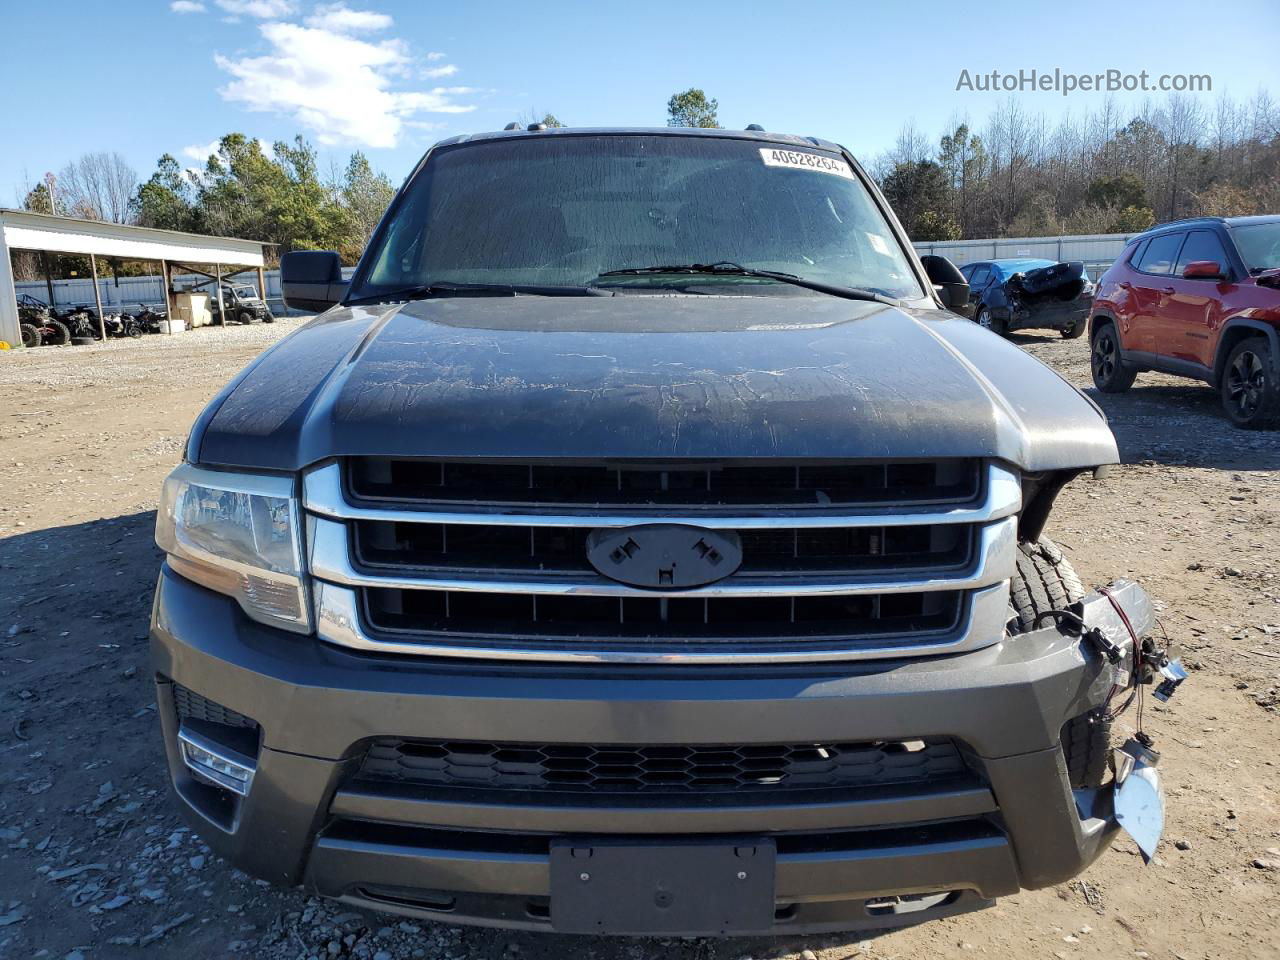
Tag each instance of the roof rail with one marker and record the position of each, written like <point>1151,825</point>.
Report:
<point>1171,223</point>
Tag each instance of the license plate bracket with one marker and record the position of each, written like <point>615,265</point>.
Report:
<point>666,887</point>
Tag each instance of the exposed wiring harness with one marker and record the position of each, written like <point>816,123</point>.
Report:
<point>1114,654</point>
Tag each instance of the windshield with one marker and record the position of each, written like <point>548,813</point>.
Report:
<point>1259,245</point>
<point>246,293</point>
<point>563,210</point>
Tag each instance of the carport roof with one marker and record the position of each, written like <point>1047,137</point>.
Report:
<point>22,229</point>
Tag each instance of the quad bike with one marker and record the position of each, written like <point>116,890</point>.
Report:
<point>84,330</point>
<point>122,325</point>
<point>149,320</point>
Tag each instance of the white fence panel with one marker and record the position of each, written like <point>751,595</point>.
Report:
<point>1098,251</point>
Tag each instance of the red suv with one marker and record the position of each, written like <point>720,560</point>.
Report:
<point>1196,298</point>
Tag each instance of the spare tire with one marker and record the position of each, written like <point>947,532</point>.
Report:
<point>30,335</point>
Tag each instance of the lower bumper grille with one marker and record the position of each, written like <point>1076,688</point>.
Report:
<point>519,617</point>
<point>661,769</point>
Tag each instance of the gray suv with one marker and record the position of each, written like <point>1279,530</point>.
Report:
<point>638,545</point>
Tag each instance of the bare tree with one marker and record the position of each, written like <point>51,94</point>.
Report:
<point>98,186</point>
<point>1010,142</point>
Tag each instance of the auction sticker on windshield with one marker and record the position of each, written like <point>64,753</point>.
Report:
<point>797,160</point>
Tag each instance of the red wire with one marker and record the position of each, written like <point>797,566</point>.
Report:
<point>1137,654</point>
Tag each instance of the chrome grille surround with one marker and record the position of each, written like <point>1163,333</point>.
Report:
<point>348,594</point>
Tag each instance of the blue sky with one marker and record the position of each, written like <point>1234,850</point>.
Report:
<point>145,78</point>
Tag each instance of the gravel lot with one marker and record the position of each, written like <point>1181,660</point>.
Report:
<point>94,863</point>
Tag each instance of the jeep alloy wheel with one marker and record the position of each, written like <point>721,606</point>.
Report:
<point>1109,375</point>
<point>1250,396</point>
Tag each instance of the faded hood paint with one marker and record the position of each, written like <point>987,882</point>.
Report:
<point>648,376</point>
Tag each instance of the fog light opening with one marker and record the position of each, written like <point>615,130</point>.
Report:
<point>215,763</point>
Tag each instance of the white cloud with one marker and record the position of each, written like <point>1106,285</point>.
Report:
<point>342,19</point>
<point>435,73</point>
<point>201,153</point>
<point>338,87</point>
<point>186,6</point>
<point>262,9</point>
<point>435,55</point>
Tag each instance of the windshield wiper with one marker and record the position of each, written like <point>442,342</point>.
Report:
<point>727,268</point>
<point>447,288</point>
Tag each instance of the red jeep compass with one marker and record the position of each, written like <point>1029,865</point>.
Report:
<point>1196,298</point>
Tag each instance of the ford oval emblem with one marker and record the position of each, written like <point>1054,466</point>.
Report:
<point>664,555</point>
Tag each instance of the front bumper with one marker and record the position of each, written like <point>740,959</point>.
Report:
<point>862,861</point>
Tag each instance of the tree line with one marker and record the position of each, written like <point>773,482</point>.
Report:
<point>1111,170</point>
<point>277,194</point>
<point>1015,173</point>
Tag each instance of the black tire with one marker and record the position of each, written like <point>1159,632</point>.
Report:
<point>61,335</point>
<point>268,317</point>
<point>30,335</point>
<point>1086,747</point>
<point>1250,391</point>
<point>245,317</point>
<point>1109,374</point>
<point>985,318</point>
<point>83,341</point>
<point>1075,331</point>
<point>1043,580</point>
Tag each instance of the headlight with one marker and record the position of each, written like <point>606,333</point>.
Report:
<point>238,534</point>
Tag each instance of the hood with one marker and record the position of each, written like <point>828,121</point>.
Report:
<point>636,376</point>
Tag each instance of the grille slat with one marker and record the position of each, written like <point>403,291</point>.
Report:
<point>660,769</point>
<point>769,483</point>
<point>489,550</point>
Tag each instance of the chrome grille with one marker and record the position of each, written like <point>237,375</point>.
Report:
<point>840,561</point>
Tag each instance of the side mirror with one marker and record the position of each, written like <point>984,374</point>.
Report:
<point>949,282</point>
<point>1203,270</point>
<point>312,279</point>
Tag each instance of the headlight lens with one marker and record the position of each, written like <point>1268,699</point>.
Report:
<point>238,534</point>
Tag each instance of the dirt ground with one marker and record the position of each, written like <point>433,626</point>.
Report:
<point>94,862</point>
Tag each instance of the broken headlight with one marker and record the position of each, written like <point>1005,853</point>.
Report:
<point>237,534</point>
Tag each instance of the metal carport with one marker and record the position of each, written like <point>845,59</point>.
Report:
<point>23,230</point>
